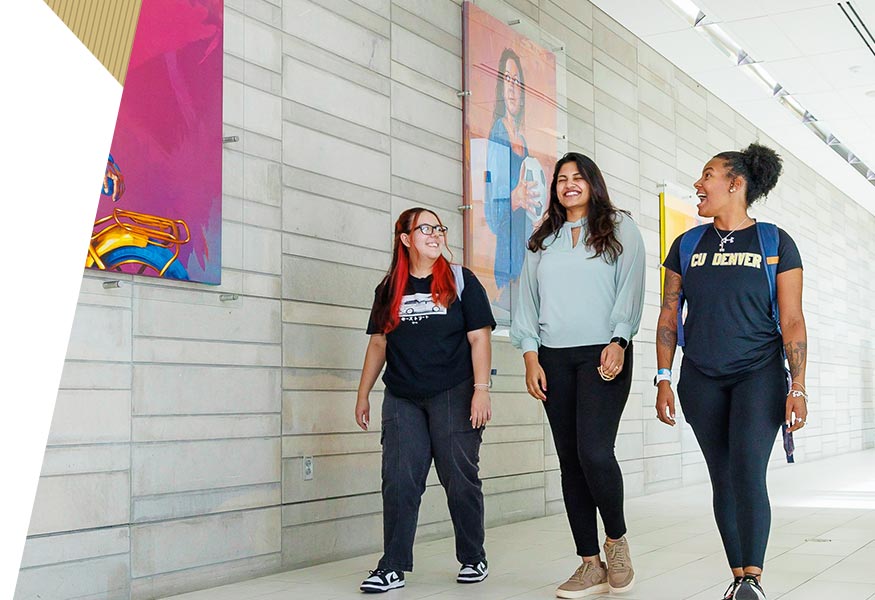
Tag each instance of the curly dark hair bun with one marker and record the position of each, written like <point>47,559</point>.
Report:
<point>764,166</point>
<point>759,165</point>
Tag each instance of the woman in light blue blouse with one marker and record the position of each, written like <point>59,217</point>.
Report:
<point>580,303</point>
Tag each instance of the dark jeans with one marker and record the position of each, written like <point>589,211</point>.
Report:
<point>735,420</point>
<point>414,432</point>
<point>584,413</point>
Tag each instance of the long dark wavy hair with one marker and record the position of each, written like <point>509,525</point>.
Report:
<point>759,165</point>
<point>500,109</point>
<point>601,218</point>
<point>391,290</point>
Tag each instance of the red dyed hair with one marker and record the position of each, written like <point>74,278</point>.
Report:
<point>387,312</point>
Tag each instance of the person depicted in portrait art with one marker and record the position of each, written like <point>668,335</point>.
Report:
<point>511,203</point>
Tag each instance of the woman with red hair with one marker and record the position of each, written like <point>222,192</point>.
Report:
<point>430,326</point>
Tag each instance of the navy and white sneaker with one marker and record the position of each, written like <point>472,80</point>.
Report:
<point>729,594</point>
<point>749,589</point>
<point>473,573</point>
<point>382,580</point>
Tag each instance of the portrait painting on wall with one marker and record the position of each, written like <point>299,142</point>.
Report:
<point>510,140</point>
<point>160,207</point>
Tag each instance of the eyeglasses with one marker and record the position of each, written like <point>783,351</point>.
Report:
<point>427,229</point>
<point>512,80</point>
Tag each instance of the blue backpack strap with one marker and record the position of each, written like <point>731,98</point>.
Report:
<point>769,240</point>
<point>689,241</point>
<point>459,276</point>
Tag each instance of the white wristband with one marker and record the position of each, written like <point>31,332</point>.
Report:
<point>662,375</point>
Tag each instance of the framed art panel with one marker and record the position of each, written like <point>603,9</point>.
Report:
<point>512,138</point>
<point>160,207</point>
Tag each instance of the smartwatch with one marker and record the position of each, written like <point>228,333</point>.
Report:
<point>662,375</point>
<point>621,342</point>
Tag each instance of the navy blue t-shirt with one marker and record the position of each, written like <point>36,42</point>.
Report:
<point>429,351</point>
<point>729,327</point>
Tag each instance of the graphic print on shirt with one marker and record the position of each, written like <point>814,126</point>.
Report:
<point>728,259</point>
<point>416,307</point>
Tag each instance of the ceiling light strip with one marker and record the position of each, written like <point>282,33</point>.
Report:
<point>742,59</point>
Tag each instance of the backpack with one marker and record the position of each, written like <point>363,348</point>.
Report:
<point>459,276</point>
<point>769,239</point>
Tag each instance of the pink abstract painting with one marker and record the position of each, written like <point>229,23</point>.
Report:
<point>160,209</point>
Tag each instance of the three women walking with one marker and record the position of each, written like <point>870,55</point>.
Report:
<point>580,304</point>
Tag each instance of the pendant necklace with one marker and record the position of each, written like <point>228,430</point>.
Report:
<point>728,238</point>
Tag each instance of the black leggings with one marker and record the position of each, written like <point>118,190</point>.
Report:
<point>584,413</point>
<point>736,419</point>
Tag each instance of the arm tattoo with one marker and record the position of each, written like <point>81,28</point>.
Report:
<point>797,353</point>
<point>671,290</point>
<point>666,336</point>
<point>670,299</point>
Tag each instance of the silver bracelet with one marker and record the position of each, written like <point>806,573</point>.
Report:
<point>486,386</point>
<point>798,394</point>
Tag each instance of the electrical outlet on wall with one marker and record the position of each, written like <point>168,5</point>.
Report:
<point>308,467</point>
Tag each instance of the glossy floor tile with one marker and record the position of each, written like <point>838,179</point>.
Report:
<point>822,546</point>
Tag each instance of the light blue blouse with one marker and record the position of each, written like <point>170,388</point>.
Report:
<point>569,298</point>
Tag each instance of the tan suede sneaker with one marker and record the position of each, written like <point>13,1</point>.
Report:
<point>621,576</point>
<point>589,579</point>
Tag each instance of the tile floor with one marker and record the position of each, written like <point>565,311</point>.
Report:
<point>822,545</point>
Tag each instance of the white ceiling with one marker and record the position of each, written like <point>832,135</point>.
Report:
<point>808,46</point>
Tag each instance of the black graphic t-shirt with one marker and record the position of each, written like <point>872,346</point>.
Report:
<point>429,351</point>
<point>729,327</point>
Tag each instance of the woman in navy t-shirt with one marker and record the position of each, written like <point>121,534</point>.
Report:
<point>733,387</point>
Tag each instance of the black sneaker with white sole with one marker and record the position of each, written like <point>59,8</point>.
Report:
<point>749,589</point>
<point>382,580</point>
<point>473,573</point>
<point>729,594</point>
